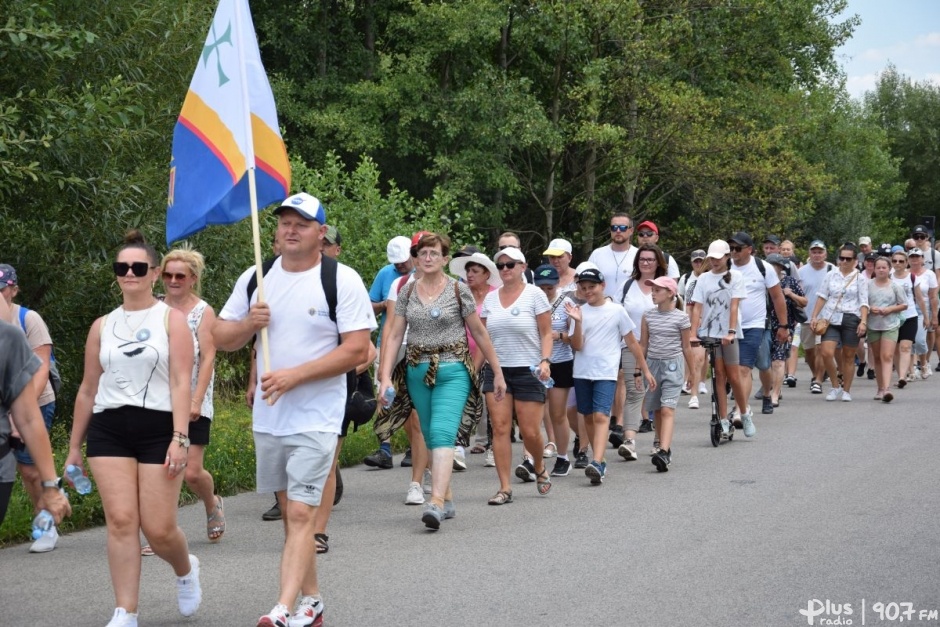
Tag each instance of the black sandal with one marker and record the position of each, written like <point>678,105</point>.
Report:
<point>542,482</point>
<point>322,541</point>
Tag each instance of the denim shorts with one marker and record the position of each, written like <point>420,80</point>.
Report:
<point>594,396</point>
<point>754,350</point>
<point>22,455</point>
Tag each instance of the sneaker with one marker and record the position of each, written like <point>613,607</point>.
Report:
<point>616,436</point>
<point>577,446</point>
<point>426,481</point>
<point>871,374</point>
<point>309,613</point>
<point>927,371</point>
<point>725,427</point>
<point>415,494</point>
<point>550,451</point>
<point>46,541</point>
<point>379,459</point>
<point>702,389</point>
<point>122,618</point>
<point>656,448</point>
<point>526,471</point>
<point>768,406</point>
<point>902,383</point>
<point>581,460</point>
<point>917,376</point>
<point>662,459</point>
<point>693,402</point>
<point>834,394</point>
<point>748,421</point>
<point>272,514</point>
<point>595,472</point>
<point>888,397</point>
<point>450,510</point>
<point>460,462</point>
<point>736,417</point>
<point>790,380</point>
<point>562,467</point>
<point>627,450</point>
<point>489,461</point>
<point>861,369</point>
<point>846,397</point>
<point>815,387</point>
<point>645,426</point>
<point>278,617</point>
<point>686,388</point>
<point>432,516</point>
<point>406,460</point>
<point>188,590</point>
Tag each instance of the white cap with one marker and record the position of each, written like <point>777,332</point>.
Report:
<point>309,207</point>
<point>511,252</point>
<point>558,247</point>
<point>718,249</point>
<point>398,249</point>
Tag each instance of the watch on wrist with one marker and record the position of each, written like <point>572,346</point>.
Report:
<point>546,360</point>
<point>55,484</point>
<point>733,331</point>
<point>181,439</point>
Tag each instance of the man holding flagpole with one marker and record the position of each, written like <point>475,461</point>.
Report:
<point>299,414</point>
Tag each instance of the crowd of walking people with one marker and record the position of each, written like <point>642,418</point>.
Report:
<point>471,350</point>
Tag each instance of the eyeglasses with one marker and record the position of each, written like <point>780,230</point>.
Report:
<point>429,254</point>
<point>847,259</point>
<point>647,260</point>
<point>179,277</point>
<point>139,268</point>
<point>645,234</point>
<point>508,264</point>
<point>623,228</point>
<point>735,249</point>
<point>920,236</point>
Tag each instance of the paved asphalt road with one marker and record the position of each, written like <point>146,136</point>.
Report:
<point>836,501</point>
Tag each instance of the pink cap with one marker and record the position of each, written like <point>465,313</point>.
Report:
<point>664,281</point>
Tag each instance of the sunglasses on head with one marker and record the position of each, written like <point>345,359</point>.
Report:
<point>508,264</point>
<point>139,268</point>
<point>735,249</point>
<point>175,276</point>
<point>645,234</point>
<point>623,228</point>
<point>847,258</point>
<point>920,236</point>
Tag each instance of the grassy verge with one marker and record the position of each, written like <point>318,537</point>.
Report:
<point>230,458</point>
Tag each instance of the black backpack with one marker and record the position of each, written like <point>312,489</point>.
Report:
<point>360,395</point>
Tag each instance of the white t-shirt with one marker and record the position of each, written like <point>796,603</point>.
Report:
<point>616,266</point>
<point>636,303</point>
<point>514,330</point>
<point>301,331</point>
<point>715,296</point>
<point>926,282</point>
<point>754,308</point>
<point>907,285</point>
<point>603,329</point>
<point>812,279</point>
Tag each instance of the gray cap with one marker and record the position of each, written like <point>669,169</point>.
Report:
<point>778,260</point>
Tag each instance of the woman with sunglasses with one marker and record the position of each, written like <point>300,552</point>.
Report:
<point>437,311</point>
<point>133,406</point>
<point>907,333</point>
<point>842,299</point>
<point>181,271</point>
<point>926,281</point>
<point>518,318</point>
<point>886,302</point>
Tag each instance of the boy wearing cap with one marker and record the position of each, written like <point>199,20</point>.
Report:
<point>812,275</point>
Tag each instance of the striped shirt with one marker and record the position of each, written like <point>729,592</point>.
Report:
<point>514,329</point>
<point>561,352</point>
<point>665,332</point>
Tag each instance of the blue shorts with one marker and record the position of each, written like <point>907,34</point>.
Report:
<point>594,397</point>
<point>754,349</point>
<point>22,456</point>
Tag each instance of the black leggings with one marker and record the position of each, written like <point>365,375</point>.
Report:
<point>6,489</point>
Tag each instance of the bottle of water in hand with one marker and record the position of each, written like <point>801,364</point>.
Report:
<point>42,523</point>
<point>549,382</point>
<point>388,396</point>
<point>78,479</point>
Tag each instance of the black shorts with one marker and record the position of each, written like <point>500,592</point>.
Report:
<point>563,374</point>
<point>519,383</point>
<point>199,431</point>
<point>908,330</point>
<point>143,434</point>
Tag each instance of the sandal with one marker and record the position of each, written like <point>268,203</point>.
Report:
<point>550,451</point>
<point>146,551</point>
<point>502,497</point>
<point>478,450</point>
<point>215,522</point>
<point>322,541</point>
<point>543,483</point>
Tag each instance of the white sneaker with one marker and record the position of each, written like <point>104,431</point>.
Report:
<point>927,371</point>
<point>122,618</point>
<point>188,590</point>
<point>415,494</point>
<point>309,611</point>
<point>686,388</point>
<point>460,462</point>
<point>702,389</point>
<point>834,394</point>
<point>846,397</point>
<point>489,461</point>
<point>627,450</point>
<point>46,541</point>
<point>426,481</point>
<point>693,402</point>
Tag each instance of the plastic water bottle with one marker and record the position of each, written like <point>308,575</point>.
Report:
<point>42,523</point>
<point>388,396</point>
<point>78,479</point>
<point>549,382</point>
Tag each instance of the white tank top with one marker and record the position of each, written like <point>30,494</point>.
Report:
<point>134,356</point>
<point>194,319</point>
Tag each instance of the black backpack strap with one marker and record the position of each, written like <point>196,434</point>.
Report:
<point>328,268</point>
<point>626,288</point>
<point>253,281</point>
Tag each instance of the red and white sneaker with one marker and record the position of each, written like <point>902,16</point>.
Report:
<point>278,617</point>
<point>309,613</point>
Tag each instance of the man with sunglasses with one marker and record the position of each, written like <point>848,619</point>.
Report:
<point>648,233</point>
<point>812,275</point>
<point>615,260</point>
<point>37,334</point>
<point>754,349</point>
<point>921,236</point>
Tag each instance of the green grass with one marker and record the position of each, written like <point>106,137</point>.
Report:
<point>230,458</point>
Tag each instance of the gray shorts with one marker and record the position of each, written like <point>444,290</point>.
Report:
<point>299,464</point>
<point>728,354</point>
<point>670,377</point>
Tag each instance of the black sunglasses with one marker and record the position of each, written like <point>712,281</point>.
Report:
<point>899,261</point>
<point>139,268</point>
<point>645,234</point>
<point>508,264</point>
<point>848,259</point>
<point>623,228</point>
<point>178,276</point>
<point>920,236</point>
<point>735,249</point>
